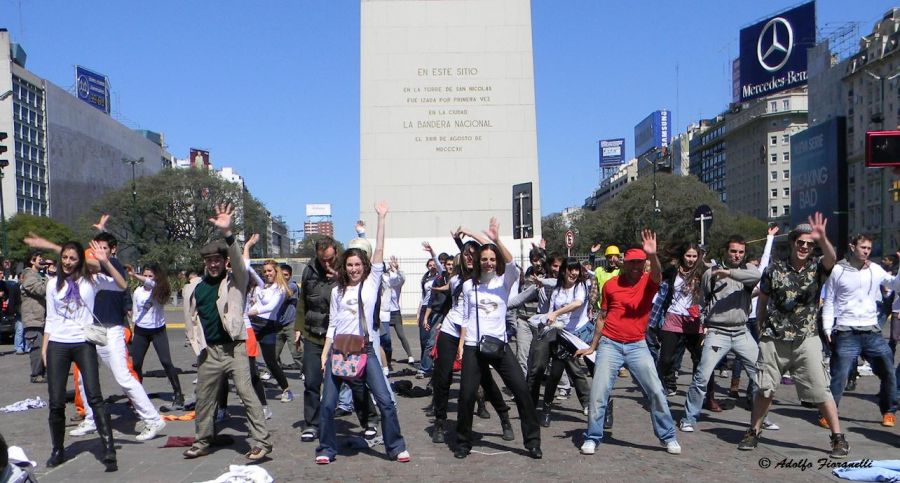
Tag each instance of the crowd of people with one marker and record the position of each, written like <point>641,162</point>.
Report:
<point>560,323</point>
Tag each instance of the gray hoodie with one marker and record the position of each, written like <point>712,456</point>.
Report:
<point>729,302</point>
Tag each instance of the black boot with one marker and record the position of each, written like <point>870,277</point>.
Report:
<point>507,428</point>
<point>545,415</point>
<point>178,402</point>
<point>437,432</point>
<point>608,417</point>
<point>482,411</point>
<point>57,439</point>
<point>104,430</point>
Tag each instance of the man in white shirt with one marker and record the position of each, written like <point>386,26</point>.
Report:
<point>850,321</point>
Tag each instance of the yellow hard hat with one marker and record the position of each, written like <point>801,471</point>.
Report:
<point>612,250</point>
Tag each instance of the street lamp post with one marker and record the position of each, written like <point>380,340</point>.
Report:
<point>133,163</point>
<point>880,119</point>
<point>3,164</point>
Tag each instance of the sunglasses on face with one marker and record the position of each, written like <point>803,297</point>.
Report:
<point>805,244</point>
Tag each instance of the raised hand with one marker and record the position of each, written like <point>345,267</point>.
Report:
<point>35,241</point>
<point>99,254</point>
<point>457,233</point>
<point>493,231</point>
<point>648,237</point>
<point>101,225</point>
<point>360,227</point>
<point>253,240</point>
<point>596,247</point>
<point>381,208</point>
<point>427,247</point>
<point>394,263</point>
<point>819,223</point>
<point>224,213</point>
<point>773,230</point>
<point>543,244</point>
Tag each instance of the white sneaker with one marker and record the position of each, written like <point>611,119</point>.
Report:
<point>686,427</point>
<point>585,411</point>
<point>411,361</point>
<point>151,429</point>
<point>589,447</point>
<point>769,425</point>
<point>87,426</point>
<point>865,369</point>
<point>265,376</point>
<point>672,447</point>
<point>267,412</point>
<point>385,371</point>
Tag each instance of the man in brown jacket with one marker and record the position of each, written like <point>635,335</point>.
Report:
<point>33,312</point>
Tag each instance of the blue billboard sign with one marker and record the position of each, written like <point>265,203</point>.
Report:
<point>773,52</point>
<point>612,152</point>
<point>653,132</point>
<point>92,88</point>
<point>819,177</point>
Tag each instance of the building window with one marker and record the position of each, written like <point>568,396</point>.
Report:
<point>786,104</point>
<point>787,192</point>
<point>785,139</point>
<point>774,211</point>
<point>773,158</point>
<point>786,209</point>
<point>773,106</point>
<point>786,174</point>
<point>773,140</point>
<point>774,193</point>
<point>773,175</point>
<point>785,156</point>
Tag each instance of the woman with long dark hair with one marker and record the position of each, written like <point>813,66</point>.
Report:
<point>486,345</point>
<point>353,315</point>
<point>681,327</point>
<point>70,309</point>
<point>149,301</point>
<point>450,348</point>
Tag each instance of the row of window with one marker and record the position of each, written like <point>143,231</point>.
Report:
<point>710,135</point>
<point>773,193</point>
<point>785,210</point>
<point>23,113</point>
<point>785,139</point>
<point>29,134</point>
<point>29,153</point>
<point>30,189</point>
<point>785,105</point>
<point>785,157</point>
<point>30,171</point>
<point>28,94</point>
<point>786,174</point>
<point>31,207</point>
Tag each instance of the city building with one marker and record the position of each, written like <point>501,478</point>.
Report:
<point>706,156</point>
<point>63,153</point>
<point>758,167</point>
<point>318,228</point>
<point>611,186</point>
<point>279,237</point>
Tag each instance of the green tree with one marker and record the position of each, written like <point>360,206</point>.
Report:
<point>168,223</point>
<point>20,225</point>
<point>620,220</point>
<point>307,248</point>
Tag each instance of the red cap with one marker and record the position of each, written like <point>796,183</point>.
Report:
<point>633,254</point>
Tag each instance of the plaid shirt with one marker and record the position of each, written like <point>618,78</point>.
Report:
<point>657,314</point>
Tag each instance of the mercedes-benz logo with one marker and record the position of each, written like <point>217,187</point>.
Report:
<point>773,36</point>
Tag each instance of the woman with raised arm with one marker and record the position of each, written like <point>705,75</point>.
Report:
<point>70,308</point>
<point>485,297</point>
<point>349,347</point>
<point>149,309</point>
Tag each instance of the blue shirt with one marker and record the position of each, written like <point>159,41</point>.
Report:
<point>109,305</point>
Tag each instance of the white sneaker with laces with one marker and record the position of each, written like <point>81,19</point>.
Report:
<point>410,361</point>
<point>589,447</point>
<point>87,426</point>
<point>769,425</point>
<point>267,412</point>
<point>672,447</point>
<point>686,427</point>
<point>151,429</point>
<point>265,376</point>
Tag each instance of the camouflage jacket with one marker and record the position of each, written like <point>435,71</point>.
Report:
<point>793,305</point>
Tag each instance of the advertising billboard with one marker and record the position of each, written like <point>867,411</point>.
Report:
<point>819,177</point>
<point>612,152</point>
<point>773,52</point>
<point>92,88</point>
<point>653,132</point>
<point>199,158</point>
<point>318,209</point>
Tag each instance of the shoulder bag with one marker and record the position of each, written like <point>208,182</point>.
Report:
<point>488,346</point>
<point>348,351</point>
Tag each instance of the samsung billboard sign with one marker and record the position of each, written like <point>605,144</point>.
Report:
<point>612,152</point>
<point>653,132</point>
<point>773,52</point>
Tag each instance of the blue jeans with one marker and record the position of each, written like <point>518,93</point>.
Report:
<point>848,346</point>
<point>716,345</point>
<point>426,339</point>
<point>635,356</point>
<point>377,384</point>
<point>345,398</point>
<point>19,341</point>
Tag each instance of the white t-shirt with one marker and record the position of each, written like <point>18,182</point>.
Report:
<point>681,301</point>
<point>66,318</point>
<point>148,313</point>
<point>395,282</point>
<point>455,316</point>
<point>345,306</point>
<point>564,296</point>
<point>490,305</point>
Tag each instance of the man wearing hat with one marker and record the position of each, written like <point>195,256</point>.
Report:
<point>619,341</point>
<point>787,312</point>
<point>604,274</point>
<point>219,338</point>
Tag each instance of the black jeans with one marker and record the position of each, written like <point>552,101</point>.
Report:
<point>140,343</point>
<point>33,338</point>
<point>474,368</point>
<point>542,353</point>
<point>671,344</point>
<point>60,356</point>
<point>312,386</point>
<point>266,332</point>
<point>442,378</point>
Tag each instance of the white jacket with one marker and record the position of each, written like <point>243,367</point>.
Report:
<point>851,295</point>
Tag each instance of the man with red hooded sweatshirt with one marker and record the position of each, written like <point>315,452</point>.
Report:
<point>619,341</point>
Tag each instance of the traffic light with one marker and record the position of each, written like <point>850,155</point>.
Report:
<point>3,147</point>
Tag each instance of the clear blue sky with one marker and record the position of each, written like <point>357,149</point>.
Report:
<point>272,88</point>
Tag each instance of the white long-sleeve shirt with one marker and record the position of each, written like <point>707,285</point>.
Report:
<point>851,295</point>
<point>395,282</point>
<point>265,299</point>
<point>345,316</point>
<point>66,318</point>
<point>763,263</point>
<point>148,313</point>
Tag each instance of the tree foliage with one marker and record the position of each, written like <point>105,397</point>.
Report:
<point>168,222</point>
<point>307,248</point>
<point>20,225</point>
<point>620,220</point>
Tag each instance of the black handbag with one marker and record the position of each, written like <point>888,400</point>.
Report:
<point>488,346</point>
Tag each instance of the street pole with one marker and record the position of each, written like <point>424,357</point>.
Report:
<point>703,219</point>
<point>521,230</point>
<point>884,174</point>
<point>3,164</point>
<point>134,163</point>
